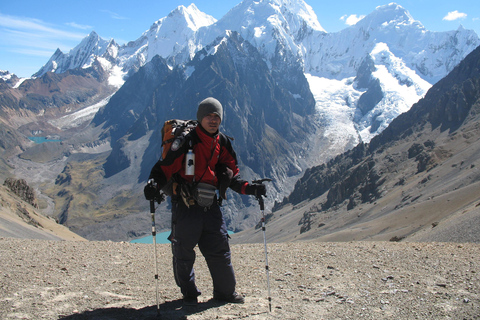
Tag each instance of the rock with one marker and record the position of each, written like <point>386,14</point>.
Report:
<point>22,189</point>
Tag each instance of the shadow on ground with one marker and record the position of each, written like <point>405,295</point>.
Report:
<point>168,310</point>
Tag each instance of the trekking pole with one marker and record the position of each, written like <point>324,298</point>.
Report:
<point>267,270</point>
<point>159,199</point>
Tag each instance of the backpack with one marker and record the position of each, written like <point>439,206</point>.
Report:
<point>174,132</point>
<point>174,135</point>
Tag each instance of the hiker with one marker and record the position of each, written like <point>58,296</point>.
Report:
<point>196,214</point>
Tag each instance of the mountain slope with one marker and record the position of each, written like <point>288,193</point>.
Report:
<point>33,107</point>
<point>21,219</point>
<point>295,97</point>
<point>419,176</point>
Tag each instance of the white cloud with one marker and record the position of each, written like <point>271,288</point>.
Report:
<point>35,37</point>
<point>351,19</point>
<point>454,15</point>
<point>36,27</point>
<point>114,15</point>
<point>79,26</point>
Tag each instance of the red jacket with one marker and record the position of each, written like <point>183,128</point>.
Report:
<point>212,154</point>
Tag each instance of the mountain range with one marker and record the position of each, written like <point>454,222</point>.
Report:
<point>418,180</point>
<point>294,97</point>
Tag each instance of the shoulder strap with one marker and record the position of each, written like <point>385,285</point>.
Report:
<point>192,138</point>
<point>224,138</point>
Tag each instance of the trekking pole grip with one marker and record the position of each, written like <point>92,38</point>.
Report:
<point>259,197</point>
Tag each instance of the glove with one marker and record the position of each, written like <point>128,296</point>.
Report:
<point>256,190</point>
<point>151,192</point>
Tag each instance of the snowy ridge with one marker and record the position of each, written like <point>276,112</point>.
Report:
<point>401,87</point>
<point>11,78</point>
<point>431,54</point>
<point>407,59</point>
<point>288,27</point>
<point>82,56</point>
<point>5,75</point>
<point>267,24</point>
<point>175,32</point>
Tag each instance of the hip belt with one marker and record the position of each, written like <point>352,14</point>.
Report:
<point>201,194</point>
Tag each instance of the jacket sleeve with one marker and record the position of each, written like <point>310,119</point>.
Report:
<point>238,185</point>
<point>163,170</point>
<point>228,157</point>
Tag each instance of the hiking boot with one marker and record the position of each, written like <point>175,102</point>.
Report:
<point>190,301</point>
<point>233,298</point>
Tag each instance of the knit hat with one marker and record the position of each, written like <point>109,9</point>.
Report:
<point>207,106</point>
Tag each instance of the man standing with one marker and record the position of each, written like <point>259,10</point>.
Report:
<point>196,214</point>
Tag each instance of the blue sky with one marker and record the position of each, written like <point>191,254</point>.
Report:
<point>31,30</point>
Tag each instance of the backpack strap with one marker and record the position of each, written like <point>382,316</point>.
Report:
<point>224,139</point>
<point>192,139</point>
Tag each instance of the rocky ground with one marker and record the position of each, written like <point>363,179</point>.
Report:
<point>43,279</point>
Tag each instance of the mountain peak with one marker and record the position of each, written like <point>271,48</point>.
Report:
<point>391,14</point>
<point>274,27</point>
<point>292,11</point>
<point>302,9</point>
<point>191,15</point>
<point>394,9</point>
<point>93,34</point>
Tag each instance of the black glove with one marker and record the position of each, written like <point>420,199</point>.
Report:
<point>256,190</point>
<point>151,192</point>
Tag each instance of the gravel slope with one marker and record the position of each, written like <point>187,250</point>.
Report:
<point>43,279</point>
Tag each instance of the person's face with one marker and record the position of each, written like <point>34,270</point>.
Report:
<point>211,123</point>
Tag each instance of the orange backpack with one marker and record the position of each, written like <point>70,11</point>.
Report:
<point>173,134</point>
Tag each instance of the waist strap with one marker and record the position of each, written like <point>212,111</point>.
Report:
<point>201,194</point>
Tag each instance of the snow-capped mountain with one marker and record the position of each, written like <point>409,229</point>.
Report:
<point>294,95</point>
<point>407,60</point>
<point>82,56</point>
<point>290,25</point>
<point>274,27</point>
<point>167,37</point>
<point>11,79</point>
<point>284,31</point>
<point>170,37</point>
<point>430,54</point>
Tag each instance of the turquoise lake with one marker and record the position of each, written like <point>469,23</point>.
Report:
<point>161,238</point>
<point>42,139</point>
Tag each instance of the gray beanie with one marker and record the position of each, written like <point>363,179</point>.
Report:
<point>207,106</point>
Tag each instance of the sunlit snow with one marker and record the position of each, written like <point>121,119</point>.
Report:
<point>335,102</point>
<point>77,118</point>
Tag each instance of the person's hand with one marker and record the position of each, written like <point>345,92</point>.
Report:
<point>151,192</point>
<point>256,190</point>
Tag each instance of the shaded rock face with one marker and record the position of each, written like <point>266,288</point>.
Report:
<point>22,189</point>
<point>365,80</point>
